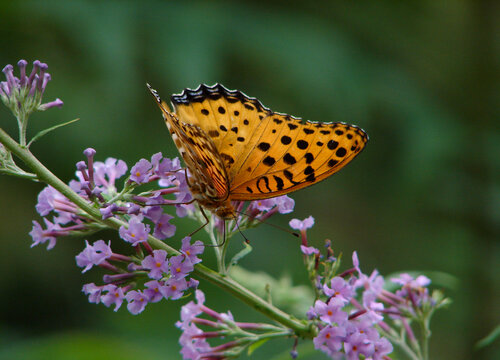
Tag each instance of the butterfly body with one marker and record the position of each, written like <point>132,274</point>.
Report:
<point>237,149</point>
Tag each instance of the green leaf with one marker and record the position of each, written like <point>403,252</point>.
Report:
<point>256,345</point>
<point>492,336</point>
<point>46,131</point>
<point>289,297</point>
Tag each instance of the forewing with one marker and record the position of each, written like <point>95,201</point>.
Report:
<point>199,153</point>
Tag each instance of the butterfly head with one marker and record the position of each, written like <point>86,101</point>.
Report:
<point>225,211</point>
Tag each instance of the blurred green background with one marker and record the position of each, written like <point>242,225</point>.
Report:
<point>420,77</point>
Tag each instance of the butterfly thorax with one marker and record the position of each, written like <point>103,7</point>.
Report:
<point>221,208</point>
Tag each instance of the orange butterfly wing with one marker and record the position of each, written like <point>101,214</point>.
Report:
<point>266,154</point>
<point>199,153</point>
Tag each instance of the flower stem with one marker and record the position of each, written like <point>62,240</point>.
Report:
<point>426,333</point>
<point>22,121</point>
<point>300,327</point>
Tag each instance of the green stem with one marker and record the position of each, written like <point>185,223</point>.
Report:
<point>20,174</point>
<point>301,328</point>
<point>400,342</point>
<point>426,333</point>
<point>22,120</point>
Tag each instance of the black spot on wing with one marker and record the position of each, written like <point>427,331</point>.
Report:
<point>263,146</point>
<point>332,144</point>
<point>285,140</point>
<point>289,176</point>
<point>341,152</point>
<point>213,133</point>
<point>332,162</point>
<point>289,159</point>
<point>263,181</point>
<point>308,170</point>
<point>227,158</point>
<point>302,144</point>
<point>269,161</point>
<point>279,182</point>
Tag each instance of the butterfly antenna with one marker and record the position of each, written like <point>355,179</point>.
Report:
<point>267,223</point>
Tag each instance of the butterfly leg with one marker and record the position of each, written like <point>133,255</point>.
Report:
<point>202,226</point>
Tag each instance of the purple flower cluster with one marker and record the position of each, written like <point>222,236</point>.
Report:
<point>346,327</point>
<point>24,94</point>
<point>168,275</point>
<point>97,184</point>
<point>194,340</point>
<point>353,309</point>
<point>144,216</point>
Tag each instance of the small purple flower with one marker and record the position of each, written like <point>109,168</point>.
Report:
<point>114,296</point>
<point>309,250</point>
<point>93,291</point>
<point>183,210</point>
<point>329,340</point>
<point>330,313</point>
<point>193,283</point>
<point>406,280</point>
<point>106,173</point>
<point>179,267</point>
<point>340,289</point>
<point>305,224</point>
<point>164,167</point>
<point>107,212</point>
<point>56,103</point>
<point>137,301</point>
<point>155,290</point>
<point>190,251</point>
<point>194,346</point>
<point>382,347</point>
<point>174,288</point>
<point>46,199</point>
<point>41,236</point>
<point>357,344</point>
<point>192,309</point>
<point>141,172</point>
<point>156,263</point>
<point>133,209</point>
<point>136,233</point>
<point>49,199</point>
<point>93,254</point>
<point>163,229</point>
<point>285,204</point>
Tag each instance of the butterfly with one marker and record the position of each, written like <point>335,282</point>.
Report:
<point>236,149</point>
